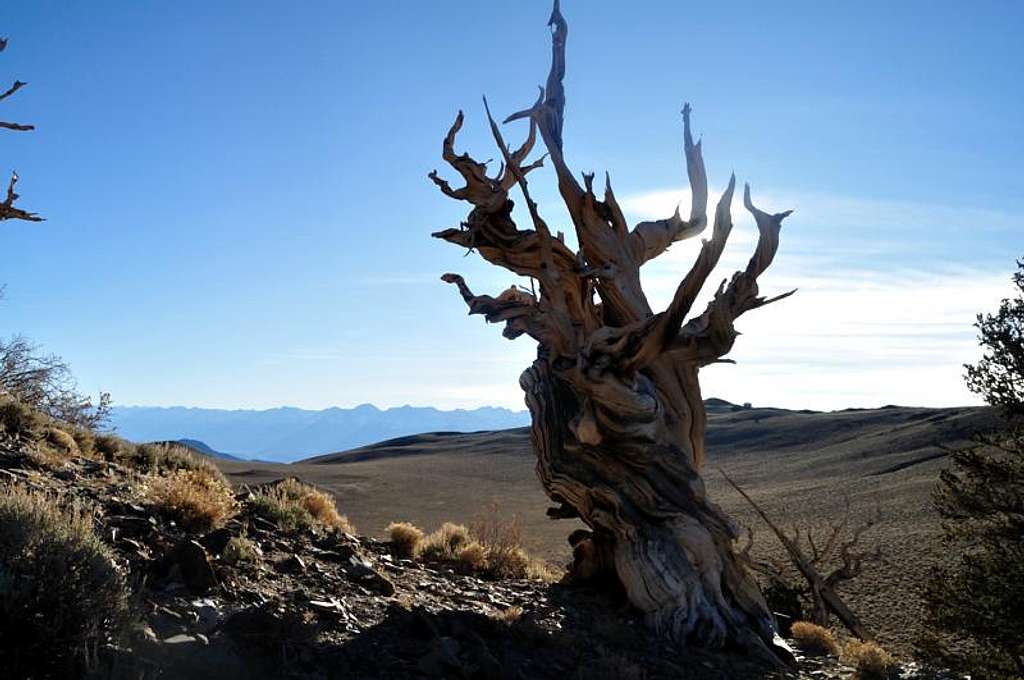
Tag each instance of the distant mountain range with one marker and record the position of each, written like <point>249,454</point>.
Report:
<point>287,434</point>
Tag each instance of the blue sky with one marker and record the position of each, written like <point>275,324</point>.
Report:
<point>239,215</point>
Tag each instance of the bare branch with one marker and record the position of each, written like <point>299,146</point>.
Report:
<point>710,336</point>
<point>650,239</point>
<point>7,209</point>
<point>480,190</point>
<point>517,308</point>
<point>768,227</point>
<point>553,285</point>
<point>822,591</point>
<point>554,102</point>
<point>12,89</point>
<point>660,333</point>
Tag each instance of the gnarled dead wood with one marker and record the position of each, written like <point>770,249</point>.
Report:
<point>618,418</point>
<point>822,589</point>
<point>7,209</point>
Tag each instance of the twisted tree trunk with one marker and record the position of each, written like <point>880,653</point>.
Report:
<point>618,418</point>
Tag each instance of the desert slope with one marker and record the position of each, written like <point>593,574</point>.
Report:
<point>804,467</point>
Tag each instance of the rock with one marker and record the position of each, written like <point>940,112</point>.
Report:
<point>339,555</point>
<point>361,571</point>
<point>196,571</point>
<point>132,524</point>
<point>216,540</point>
<point>165,623</point>
<point>293,564</point>
<point>261,524</point>
<point>144,633</point>
<point>331,607</point>
<point>266,627</point>
<point>208,616</point>
<point>442,659</point>
<point>182,639</point>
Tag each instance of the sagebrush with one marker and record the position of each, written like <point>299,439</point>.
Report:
<point>60,593</point>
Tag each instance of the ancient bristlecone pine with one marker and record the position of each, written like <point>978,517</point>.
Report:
<point>618,418</point>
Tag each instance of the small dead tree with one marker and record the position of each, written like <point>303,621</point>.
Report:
<point>7,209</point>
<point>45,382</point>
<point>824,562</point>
<point>617,414</point>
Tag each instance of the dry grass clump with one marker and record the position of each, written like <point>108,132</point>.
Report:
<point>445,543</point>
<point>112,448</point>
<point>60,594</point>
<point>814,639</point>
<point>506,557</point>
<point>871,661</point>
<point>39,438</point>
<point>84,439</point>
<point>195,499</point>
<point>509,615</point>
<point>20,422</point>
<point>44,439</point>
<point>492,547</point>
<point>295,506</point>
<point>241,550</point>
<point>168,457</point>
<point>510,562</point>
<point>406,539</point>
<point>473,557</point>
<point>60,441</point>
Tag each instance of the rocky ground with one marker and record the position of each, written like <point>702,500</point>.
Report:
<point>319,604</point>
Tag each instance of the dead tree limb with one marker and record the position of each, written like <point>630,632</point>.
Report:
<point>7,209</point>
<point>824,597</point>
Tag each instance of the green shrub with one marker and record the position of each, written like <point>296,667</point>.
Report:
<point>973,600</point>
<point>60,595</point>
